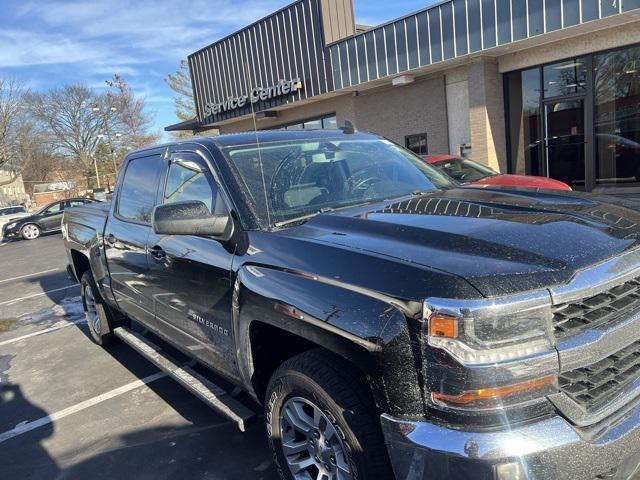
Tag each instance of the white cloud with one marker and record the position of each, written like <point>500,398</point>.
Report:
<point>143,31</point>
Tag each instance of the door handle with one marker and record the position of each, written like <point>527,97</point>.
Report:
<point>111,239</point>
<point>157,252</point>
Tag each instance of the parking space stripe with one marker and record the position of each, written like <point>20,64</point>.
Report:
<point>15,300</point>
<point>29,426</point>
<point>32,275</point>
<point>41,332</point>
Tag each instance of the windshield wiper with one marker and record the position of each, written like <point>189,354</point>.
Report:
<point>300,219</point>
<point>303,218</point>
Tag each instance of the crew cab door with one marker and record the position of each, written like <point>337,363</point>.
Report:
<point>191,274</point>
<point>126,234</point>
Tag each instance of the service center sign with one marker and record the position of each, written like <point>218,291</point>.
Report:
<point>256,95</point>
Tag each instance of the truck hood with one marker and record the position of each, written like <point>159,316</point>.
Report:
<point>501,241</point>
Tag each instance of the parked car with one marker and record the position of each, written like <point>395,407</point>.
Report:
<point>8,214</point>
<point>386,318</point>
<point>47,219</point>
<point>468,172</point>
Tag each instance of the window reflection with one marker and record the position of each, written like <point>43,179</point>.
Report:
<point>524,113</point>
<point>617,116</point>
<point>328,122</point>
<point>565,78</point>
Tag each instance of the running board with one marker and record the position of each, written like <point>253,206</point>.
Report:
<point>204,389</point>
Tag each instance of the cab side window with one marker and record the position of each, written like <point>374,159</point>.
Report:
<point>139,188</point>
<point>190,180</point>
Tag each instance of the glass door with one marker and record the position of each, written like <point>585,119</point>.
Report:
<point>564,141</point>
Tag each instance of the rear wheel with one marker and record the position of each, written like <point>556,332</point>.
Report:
<point>322,422</point>
<point>96,311</point>
<point>30,231</point>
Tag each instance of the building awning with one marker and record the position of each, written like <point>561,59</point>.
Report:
<point>192,125</point>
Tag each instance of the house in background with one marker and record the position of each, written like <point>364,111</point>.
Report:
<point>12,193</point>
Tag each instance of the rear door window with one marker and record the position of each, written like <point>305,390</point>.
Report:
<point>139,188</point>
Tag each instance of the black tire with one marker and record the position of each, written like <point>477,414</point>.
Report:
<point>343,397</point>
<point>30,231</point>
<point>100,327</point>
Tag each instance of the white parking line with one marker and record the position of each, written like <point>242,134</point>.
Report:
<point>31,275</point>
<point>27,427</point>
<point>15,300</point>
<point>41,332</point>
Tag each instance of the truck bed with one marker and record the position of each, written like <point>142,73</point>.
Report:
<point>85,224</point>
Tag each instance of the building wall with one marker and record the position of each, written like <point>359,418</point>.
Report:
<point>571,46</point>
<point>44,198</point>
<point>341,105</point>
<point>395,112</point>
<point>459,128</point>
<point>486,114</point>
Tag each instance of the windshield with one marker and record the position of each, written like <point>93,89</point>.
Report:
<point>464,170</point>
<point>302,177</point>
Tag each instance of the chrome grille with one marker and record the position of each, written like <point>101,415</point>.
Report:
<point>595,385</point>
<point>570,318</point>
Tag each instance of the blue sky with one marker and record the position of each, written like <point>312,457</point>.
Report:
<point>48,43</point>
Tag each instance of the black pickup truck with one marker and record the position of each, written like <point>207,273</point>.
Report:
<point>391,322</point>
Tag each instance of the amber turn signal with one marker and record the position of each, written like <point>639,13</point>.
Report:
<point>443,326</point>
<point>472,396</point>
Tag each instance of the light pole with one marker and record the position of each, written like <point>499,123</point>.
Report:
<point>105,112</point>
<point>95,165</point>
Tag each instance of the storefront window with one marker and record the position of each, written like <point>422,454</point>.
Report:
<point>617,116</point>
<point>328,122</point>
<point>315,124</point>
<point>565,78</point>
<point>417,143</point>
<point>524,116</point>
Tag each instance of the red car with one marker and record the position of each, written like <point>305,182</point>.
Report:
<point>472,173</point>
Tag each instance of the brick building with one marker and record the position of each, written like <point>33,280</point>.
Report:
<point>539,87</point>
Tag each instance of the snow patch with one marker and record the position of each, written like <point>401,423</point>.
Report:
<point>69,309</point>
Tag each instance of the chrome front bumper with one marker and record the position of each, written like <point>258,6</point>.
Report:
<point>549,449</point>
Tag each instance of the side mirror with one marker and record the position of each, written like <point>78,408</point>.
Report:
<point>191,218</point>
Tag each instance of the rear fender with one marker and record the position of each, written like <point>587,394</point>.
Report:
<point>89,243</point>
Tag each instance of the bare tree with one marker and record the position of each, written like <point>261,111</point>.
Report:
<point>127,113</point>
<point>46,165</point>
<point>16,139</point>
<point>70,124</point>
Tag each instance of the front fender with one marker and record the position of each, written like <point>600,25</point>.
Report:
<point>371,331</point>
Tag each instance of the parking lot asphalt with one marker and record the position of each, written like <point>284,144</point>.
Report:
<point>70,409</point>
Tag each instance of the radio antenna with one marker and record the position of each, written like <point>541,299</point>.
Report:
<point>249,86</point>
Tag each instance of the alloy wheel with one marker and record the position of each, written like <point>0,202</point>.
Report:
<point>91,310</point>
<point>31,232</point>
<point>312,447</point>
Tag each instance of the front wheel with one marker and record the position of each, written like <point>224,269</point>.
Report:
<point>97,313</point>
<point>322,422</point>
<point>30,231</point>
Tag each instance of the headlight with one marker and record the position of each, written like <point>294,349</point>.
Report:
<point>9,226</point>
<point>489,331</point>
<point>490,354</point>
